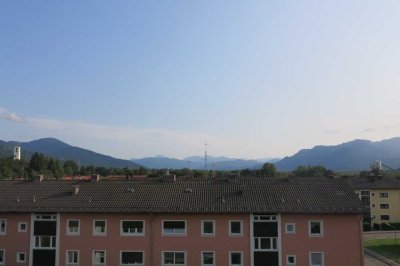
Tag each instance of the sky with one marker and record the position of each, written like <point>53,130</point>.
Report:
<point>253,79</point>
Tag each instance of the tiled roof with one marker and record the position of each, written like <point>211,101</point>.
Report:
<point>374,182</point>
<point>182,196</point>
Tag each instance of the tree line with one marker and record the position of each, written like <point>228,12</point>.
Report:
<point>40,164</point>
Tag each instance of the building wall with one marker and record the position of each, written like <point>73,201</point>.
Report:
<point>341,241</point>
<point>13,241</point>
<point>393,200</point>
<point>153,242</point>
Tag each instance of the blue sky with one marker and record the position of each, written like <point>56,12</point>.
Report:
<point>140,78</point>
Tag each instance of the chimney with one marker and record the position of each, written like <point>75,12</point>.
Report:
<point>169,178</point>
<point>95,178</point>
<point>38,178</point>
<point>76,190</point>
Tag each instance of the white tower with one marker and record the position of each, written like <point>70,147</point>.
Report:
<point>17,153</point>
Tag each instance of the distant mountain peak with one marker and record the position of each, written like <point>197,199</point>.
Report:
<point>353,155</point>
<point>53,147</point>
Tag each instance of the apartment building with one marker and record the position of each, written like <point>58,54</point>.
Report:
<point>192,222</point>
<point>381,196</point>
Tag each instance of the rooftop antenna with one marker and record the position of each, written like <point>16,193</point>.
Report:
<point>205,157</point>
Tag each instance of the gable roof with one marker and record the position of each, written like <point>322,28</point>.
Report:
<point>300,195</point>
<point>374,182</point>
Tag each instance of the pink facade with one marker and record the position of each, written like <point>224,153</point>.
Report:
<point>14,241</point>
<point>153,243</point>
<point>340,241</point>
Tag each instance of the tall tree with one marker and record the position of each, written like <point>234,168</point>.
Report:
<point>268,170</point>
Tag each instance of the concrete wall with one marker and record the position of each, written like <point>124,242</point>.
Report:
<point>394,205</point>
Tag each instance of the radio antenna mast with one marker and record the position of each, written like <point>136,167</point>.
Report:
<point>205,157</point>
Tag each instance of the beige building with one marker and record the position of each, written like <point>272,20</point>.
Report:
<point>381,195</point>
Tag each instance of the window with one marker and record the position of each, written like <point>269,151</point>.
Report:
<point>99,227</point>
<point>266,243</point>
<point>2,256</point>
<point>207,258</point>
<point>42,217</point>
<point>22,227</point>
<point>132,258</point>
<point>291,260</point>
<point>73,227</point>
<point>290,228</point>
<point>99,257</point>
<point>365,193</point>
<point>72,257</point>
<point>172,258</point>
<point>383,194</point>
<point>385,217</point>
<point>3,224</point>
<point>132,228</point>
<point>315,228</point>
<point>264,218</point>
<point>373,205</point>
<point>235,228</point>
<point>207,228</point>
<point>316,259</point>
<point>384,206</point>
<point>174,227</point>
<point>235,259</point>
<point>21,257</point>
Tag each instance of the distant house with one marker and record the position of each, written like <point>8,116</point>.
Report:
<point>381,196</point>
<point>192,222</point>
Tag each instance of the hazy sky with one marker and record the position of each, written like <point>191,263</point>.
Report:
<point>140,78</point>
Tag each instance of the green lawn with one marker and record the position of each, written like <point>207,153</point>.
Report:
<point>385,247</point>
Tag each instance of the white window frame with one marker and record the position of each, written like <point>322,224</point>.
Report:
<point>5,226</point>
<point>71,233</point>
<point>230,228</point>
<point>19,227</point>
<point>66,258</point>
<point>289,263</point>
<point>18,258</point>
<point>173,251</point>
<point>4,256</point>
<point>137,251</point>
<point>93,258</point>
<point>321,227</point>
<point>263,218</point>
<point>384,194</point>
<point>384,204</point>
<point>271,243</point>
<point>290,232</point>
<point>202,256</point>
<point>94,227</point>
<point>230,258</point>
<point>202,228</point>
<point>122,233</point>
<point>173,234</point>
<point>316,252</point>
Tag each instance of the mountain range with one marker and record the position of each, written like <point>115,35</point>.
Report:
<point>354,155</point>
<point>197,162</point>
<point>57,149</point>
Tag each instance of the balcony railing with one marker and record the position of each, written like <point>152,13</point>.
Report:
<point>45,242</point>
